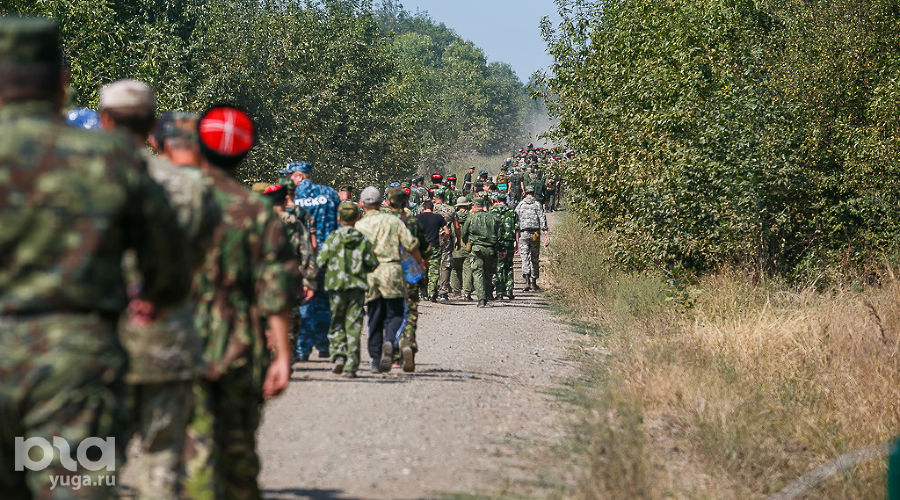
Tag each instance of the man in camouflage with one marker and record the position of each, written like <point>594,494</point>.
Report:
<point>163,346</point>
<point>461,272</point>
<point>71,203</point>
<point>508,240</point>
<point>387,293</point>
<point>407,344</point>
<point>448,245</point>
<point>481,234</point>
<point>515,188</point>
<point>532,221</point>
<point>247,279</point>
<point>346,258</point>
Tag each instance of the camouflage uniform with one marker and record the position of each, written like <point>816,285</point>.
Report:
<point>71,203</point>
<point>461,272</point>
<point>411,318</point>
<point>482,230</point>
<point>388,234</point>
<point>442,273</point>
<point>249,273</point>
<point>532,220</point>
<point>296,223</point>
<point>166,355</point>
<point>515,189</point>
<point>509,226</point>
<point>346,257</point>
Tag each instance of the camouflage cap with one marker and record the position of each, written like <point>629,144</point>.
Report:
<point>347,211</point>
<point>501,198</point>
<point>181,125</point>
<point>127,94</point>
<point>28,41</point>
<point>529,189</point>
<point>484,201</point>
<point>462,201</point>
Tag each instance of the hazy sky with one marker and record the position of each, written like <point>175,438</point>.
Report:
<point>507,30</point>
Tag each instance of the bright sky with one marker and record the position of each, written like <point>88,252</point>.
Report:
<point>507,30</point>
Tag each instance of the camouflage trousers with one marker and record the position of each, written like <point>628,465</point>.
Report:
<point>159,415</point>
<point>530,253</point>
<point>429,286</point>
<point>61,375</point>
<point>505,278</point>
<point>407,334</point>
<point>483,262</point>
<point>220,452</point>
<point>346,326</point>
<point>461,276</point>
<point>439,270</point>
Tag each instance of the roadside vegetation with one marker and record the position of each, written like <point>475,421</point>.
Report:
<point>722,387</point>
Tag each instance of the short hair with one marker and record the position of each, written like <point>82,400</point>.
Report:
<point>427,205</point>
<point>32,81</point>
<point>139,122</point>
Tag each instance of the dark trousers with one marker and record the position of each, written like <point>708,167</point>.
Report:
<point>383,314</point>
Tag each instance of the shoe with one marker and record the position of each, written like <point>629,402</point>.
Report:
<point>349,374</point>
<point>324,354</point>
<point>409,360</point>
<point>534,285</point>
<point>511,296</point>
<point>304,356</point>
<point>433,298</point>
<point>374,366</point>
<point>482,303</point>
<point>387,349</point>
<point>468,297</point>
<point>338,365</point>
<point>444,298</point>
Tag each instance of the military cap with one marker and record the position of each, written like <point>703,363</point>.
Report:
<point>483,173</point>
<point>471,167</point>
<point>420,178</point>
<point>345,189</point>
<point>347,211</point>
<point>462,201</point>
<point>226,135</point>
<point>451,178</point>
<point>394,184</point>
<point>28,41</point>
<point>501,198</point>
<point>370,196</point>
<point>529,189</point>
<point>297,166</point>
<point>436,178</point>
<point>259,187</point>
<point>484,201</point>
<point>275,193</point>
<point>180,124</point>
<point>127,94</point>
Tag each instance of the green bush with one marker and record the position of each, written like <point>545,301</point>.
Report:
<point>749,132</point>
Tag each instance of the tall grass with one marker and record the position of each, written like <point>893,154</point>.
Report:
<point>726,387</point>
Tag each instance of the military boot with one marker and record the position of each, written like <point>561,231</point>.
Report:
<point>534,285</point>
<point>527,282</point>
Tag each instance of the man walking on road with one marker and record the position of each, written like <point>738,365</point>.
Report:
<point>448,244</point>
<point>321,203</point>
<point>437,233</point>
<point>532,221</point>
<point>387,284</point>
<point>509,237</point>
<point>461,273</point>
<point>481,234</point>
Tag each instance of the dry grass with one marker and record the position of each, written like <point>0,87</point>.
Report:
<point>726,387</point>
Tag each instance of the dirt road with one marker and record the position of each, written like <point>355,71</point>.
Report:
<point>479,384</point>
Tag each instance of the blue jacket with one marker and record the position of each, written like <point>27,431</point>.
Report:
<point>321,202</point>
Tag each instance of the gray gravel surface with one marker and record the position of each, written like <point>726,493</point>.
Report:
<point>479,387</point>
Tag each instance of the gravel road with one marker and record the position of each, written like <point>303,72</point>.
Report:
<point>479,385</point>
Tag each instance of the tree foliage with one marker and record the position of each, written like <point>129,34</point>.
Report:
<point>732,131</point>
<point>368,93</point>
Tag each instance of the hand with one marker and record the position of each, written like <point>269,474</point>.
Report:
<point>141,312</point>
<point>307,294</point>
<point>516,249</point>
<point>277,377</point>
<point>547,241</point>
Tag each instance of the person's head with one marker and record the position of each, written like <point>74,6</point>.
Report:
<point>298,170</point>
<point>529,191</point>
<point>481,203</point>
<point>500,199</point>
<point>397,197</point>
<point>277,195</point>
<point>440,197</point>
<point>345,193</point>
<point>427,206</point>
<point>179,135</point>
<point>486,187</point>
<point>437,179</point>
<point>226,134</point>
<point>348,213</point>
<point>31,61</point>
<point>128,105</point>
<point>463,203</point>
<point>370,198</point>
<point>471,169</point>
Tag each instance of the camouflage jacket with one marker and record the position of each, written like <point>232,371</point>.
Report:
<point>482,230</point>
<point>249,273</point>
<point>71,202</point>
<point>169,348</point>
<point>509,223</point>
<point>515,184</point>
<point>462,215</point>
<point>531,215</point>
<point>415,227</point>
<point>346,257</point>
<point>299,237</point>
<point>387,234</point>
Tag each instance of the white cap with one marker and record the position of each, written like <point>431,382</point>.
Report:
<point>370,196</point>
<point>132,94</point>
